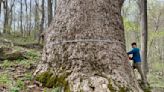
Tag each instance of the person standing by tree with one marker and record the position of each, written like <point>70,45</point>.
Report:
<point>137,61</point>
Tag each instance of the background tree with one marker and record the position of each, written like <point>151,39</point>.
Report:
<point>49,9</point>
<point>21,17</point>
<point>6,15</point>
<point>144,34</point>
<point>42,23</point>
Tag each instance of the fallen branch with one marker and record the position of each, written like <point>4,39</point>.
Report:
<point>10,54</point>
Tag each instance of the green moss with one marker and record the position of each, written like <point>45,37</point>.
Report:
<point>147,89</point>
<point>44,77</point>
<point>112,89</point>
<point>20,84</point>
<point>122,89</point>
<point>110,86</point>
<point>49,80</point>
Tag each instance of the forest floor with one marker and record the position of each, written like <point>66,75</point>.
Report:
<point>17,75</point>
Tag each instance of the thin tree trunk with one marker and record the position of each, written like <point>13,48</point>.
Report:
<point>42,24</point>
<point>49,12</point>
<point>21,18</point>
<point>30,25</point>
<point>0,6</point>
<point>15,22</point>
<point>2,2</point>
<point>11,20</point>
<point>27,20</point>
<point>6,21</point>
<point>36,36</point>
<point>11,15</point>
<point>144,34</point>
<point>55,5</point>
<point>85,48</point>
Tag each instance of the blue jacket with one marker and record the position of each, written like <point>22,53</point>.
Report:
<point>136,55</point>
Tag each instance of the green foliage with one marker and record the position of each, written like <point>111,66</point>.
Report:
<point>17,38</point>
<point>7,64</point>
<point>5,79</point>
<point>32,54</point>
<point>130,25</point>
<point>153,35</point>
<point>158,67</point>
<point>14,89</point>
<point>156,80</point>
<point>28,76</point>
<point>20,84</point>
<point>17,85</point>
<point>57,89</point>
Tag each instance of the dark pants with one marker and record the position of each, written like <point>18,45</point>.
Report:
<point>137,65</point>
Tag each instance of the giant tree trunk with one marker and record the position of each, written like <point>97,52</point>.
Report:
<point>86,45</point>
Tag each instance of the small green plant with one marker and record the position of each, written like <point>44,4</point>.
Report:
<point>32,54</point>
<point>28,76</point>
<point>7,64</point>
<point>57,89</point>
<point>5,79</point>
<point>14,89</point>
<point>20,84</point>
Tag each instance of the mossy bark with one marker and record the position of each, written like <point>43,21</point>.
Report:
<point>48,79</point>
<point>86,40</point>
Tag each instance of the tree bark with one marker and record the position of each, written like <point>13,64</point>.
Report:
<point>36,30</point>
<point>21,18</point>
<point>11,15</point>
<point>49,12</point>
<point>42,24</point>
<point>86,45</point>
<point>55,5</point>
<point>30,24</point>
<point>144,34</point>
<point>27,19</point>
<point>6,15</point>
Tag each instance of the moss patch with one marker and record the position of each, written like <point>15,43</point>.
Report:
<point>112,89</point>
<point>123,89</point>
<point>147,89</point>
<point>44,77</point>
<point>49,80</point>
<point>110,86</point>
